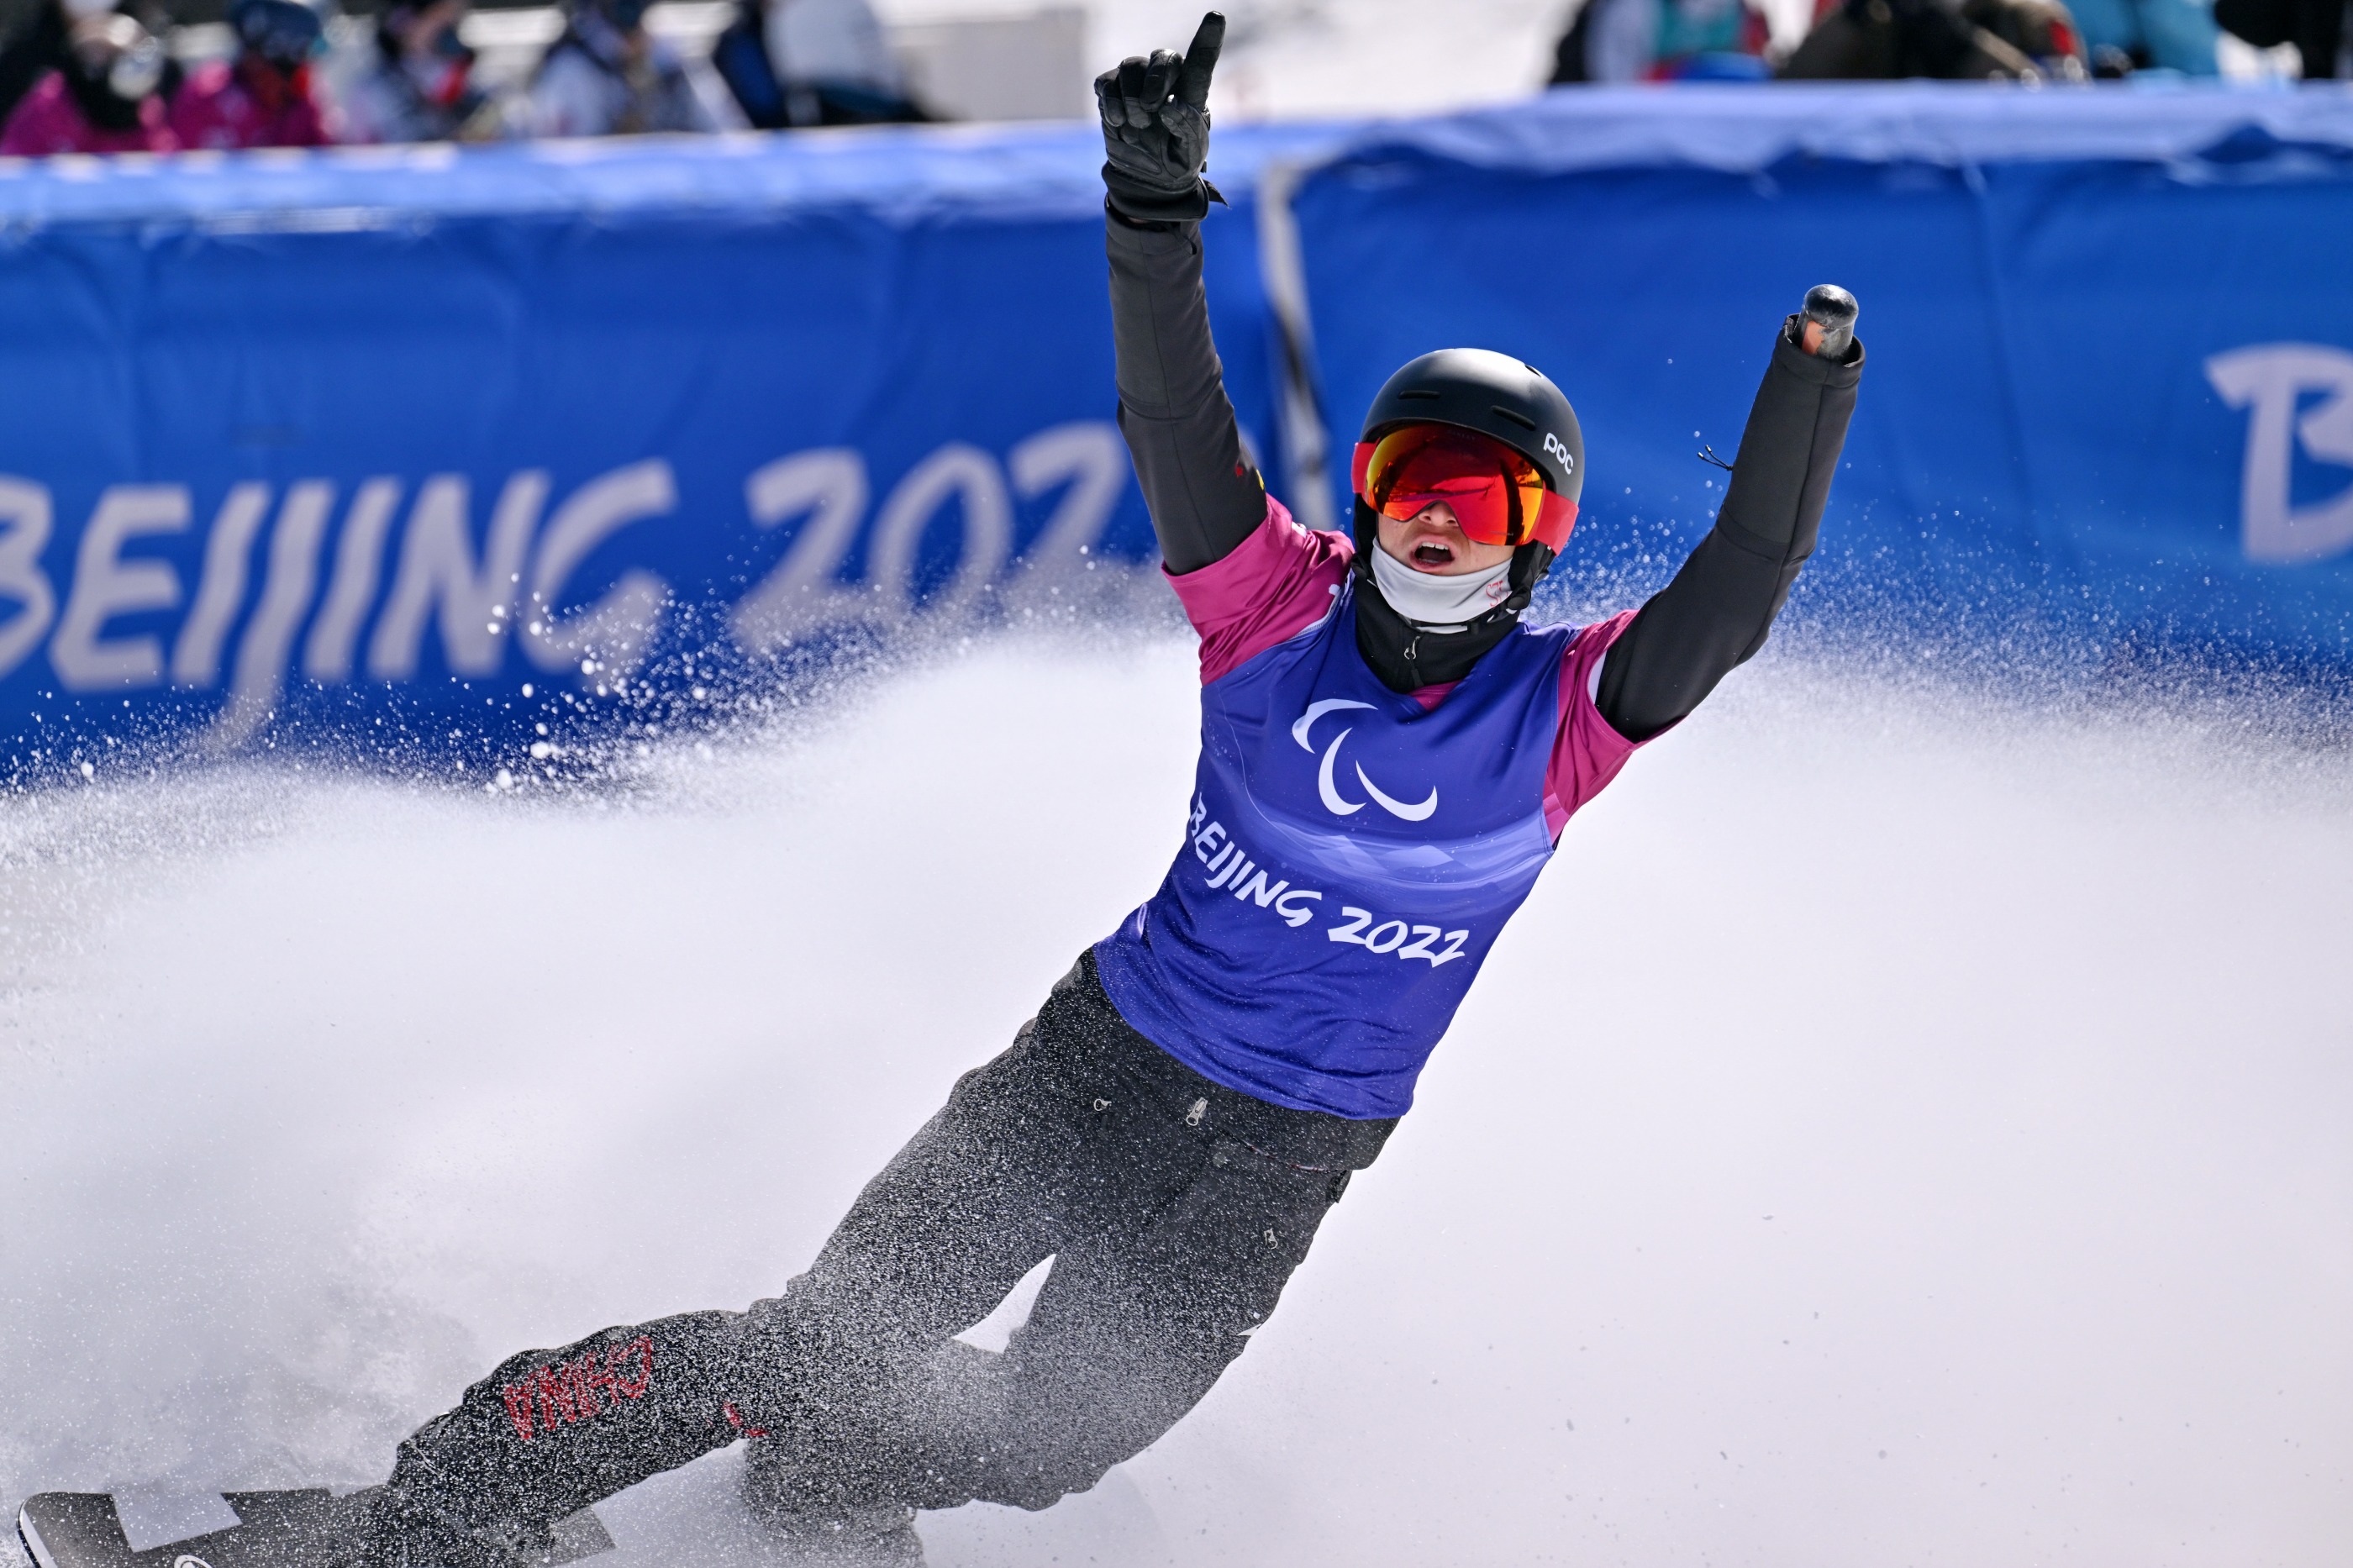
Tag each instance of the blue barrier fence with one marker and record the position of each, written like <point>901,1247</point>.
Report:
<point>2110,398</point>
<point>369,440</point>
<point>438,445</point>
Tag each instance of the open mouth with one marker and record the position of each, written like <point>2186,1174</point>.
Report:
<point>1429,552</point>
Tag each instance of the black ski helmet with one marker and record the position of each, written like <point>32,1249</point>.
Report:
<point>1496,395</point>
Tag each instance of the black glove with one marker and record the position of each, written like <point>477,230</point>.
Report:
<point>1156,124</point>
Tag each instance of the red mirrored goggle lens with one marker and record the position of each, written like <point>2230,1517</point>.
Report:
<point>1496,494</point>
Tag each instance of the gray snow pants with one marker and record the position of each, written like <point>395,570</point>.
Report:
<point>1174,1209</point>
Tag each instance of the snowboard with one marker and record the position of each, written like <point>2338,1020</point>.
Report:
<point>310,1529</point>
<point>690,1517</point>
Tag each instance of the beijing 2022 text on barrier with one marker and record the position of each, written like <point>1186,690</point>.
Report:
<point>298,444</point>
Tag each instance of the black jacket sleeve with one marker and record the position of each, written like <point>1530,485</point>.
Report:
<point>1204,495</point>
<point>1717,611</point>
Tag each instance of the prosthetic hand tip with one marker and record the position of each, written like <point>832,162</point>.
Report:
<point>1833,311</point>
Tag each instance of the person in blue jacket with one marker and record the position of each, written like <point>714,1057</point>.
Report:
<point>1388,754</point>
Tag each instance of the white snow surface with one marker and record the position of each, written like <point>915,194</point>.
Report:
<point>1902,1129</point>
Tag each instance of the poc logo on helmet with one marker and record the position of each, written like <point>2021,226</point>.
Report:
<point>1552,444</point>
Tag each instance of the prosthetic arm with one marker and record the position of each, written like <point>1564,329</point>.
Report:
<point>1717,612</point>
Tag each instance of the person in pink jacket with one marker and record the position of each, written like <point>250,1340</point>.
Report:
<point>262,98</point>
<point>104,98</point>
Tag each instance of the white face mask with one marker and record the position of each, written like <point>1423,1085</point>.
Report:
<point>1440,604</point>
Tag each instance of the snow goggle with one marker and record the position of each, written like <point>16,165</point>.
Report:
<point>1496,494</point>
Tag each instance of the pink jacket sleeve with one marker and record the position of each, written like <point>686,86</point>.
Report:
<point>1587,752</point>
<point>1274,585</point>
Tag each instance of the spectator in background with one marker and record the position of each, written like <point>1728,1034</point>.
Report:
<point>605,76</point>
<point>419,88</point>
<point>2045,31</point>
<point>106,96</point>
<point>812,62</point>
<point>32,51</point>
<point>262,98</point>
<point>1952,41</point>
<point>739,56</point>
<point>2321,30</point>
<point>2125,35</point>
<point>1664,40</point>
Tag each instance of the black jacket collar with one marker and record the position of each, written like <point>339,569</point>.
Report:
<point>1407,658</point>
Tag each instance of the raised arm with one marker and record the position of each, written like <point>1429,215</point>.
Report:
<point>1204,495</point>
<point>1717,611</point>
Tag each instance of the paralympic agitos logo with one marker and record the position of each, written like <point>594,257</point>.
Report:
<point>1334,802</point>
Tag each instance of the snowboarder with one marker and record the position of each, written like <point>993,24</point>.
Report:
<point>1388,757</point>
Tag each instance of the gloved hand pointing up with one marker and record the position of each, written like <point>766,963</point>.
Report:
<point>1155,123</point>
